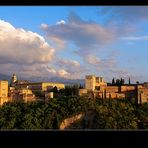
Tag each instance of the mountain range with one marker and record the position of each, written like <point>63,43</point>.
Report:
<point>5,77</point>
<point>57,79</point>
<point>46,79</point>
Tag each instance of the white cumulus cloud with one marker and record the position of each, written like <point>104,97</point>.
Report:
<point>61,22</point>
<point>44,26</point>
<point>58,72</point>
<point>21,49</point>
<point>20,46</point>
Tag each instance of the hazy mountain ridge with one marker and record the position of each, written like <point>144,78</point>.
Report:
<point>45,79</point>
<point>5,77</point>
<point>57,79</point>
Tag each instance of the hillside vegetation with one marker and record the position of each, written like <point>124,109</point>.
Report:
<point>99,114</point>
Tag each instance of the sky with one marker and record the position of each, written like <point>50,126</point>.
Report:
<point>74,41</point>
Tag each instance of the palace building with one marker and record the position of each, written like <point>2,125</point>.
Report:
<point>42,86</point>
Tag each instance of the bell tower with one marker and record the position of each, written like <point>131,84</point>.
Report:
<point>13,79</point>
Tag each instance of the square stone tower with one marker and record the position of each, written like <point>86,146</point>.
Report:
<point>93,83</point>
<point>3,91</point>
<point>90,82</point>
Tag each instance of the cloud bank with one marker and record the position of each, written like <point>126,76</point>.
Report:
<point>22,50</point>
<point>84,34</point>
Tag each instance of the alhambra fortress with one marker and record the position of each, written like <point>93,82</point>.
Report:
<point>95,87</point>
<point>98,88</point>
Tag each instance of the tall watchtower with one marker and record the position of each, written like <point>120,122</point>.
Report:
<point>90,82</point>
<point>13,79</point>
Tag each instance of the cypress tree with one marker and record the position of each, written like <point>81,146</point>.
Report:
<point>129,81</point>
<point>113,81</point>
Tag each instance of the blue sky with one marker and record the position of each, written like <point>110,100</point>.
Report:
<point>73,41</point>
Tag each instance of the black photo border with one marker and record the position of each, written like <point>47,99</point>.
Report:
<point>74,138</point>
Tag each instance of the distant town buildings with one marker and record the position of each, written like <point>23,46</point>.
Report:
<point>25,94</point>
<point>27,91</point>
<point>15,81</point>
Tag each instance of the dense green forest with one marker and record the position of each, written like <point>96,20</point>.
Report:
<point>109,114</point>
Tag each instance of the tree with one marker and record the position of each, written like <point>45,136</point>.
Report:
<point>118,82</point>
<point>122,81</point>
<point>75,89</point>
<point>81,86</point>
<point>54,89</point>
<point>129,81</point>
<point>118,115</point>
<point>109,114</point>
<point>142,114</point>
<point>113,81</point>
